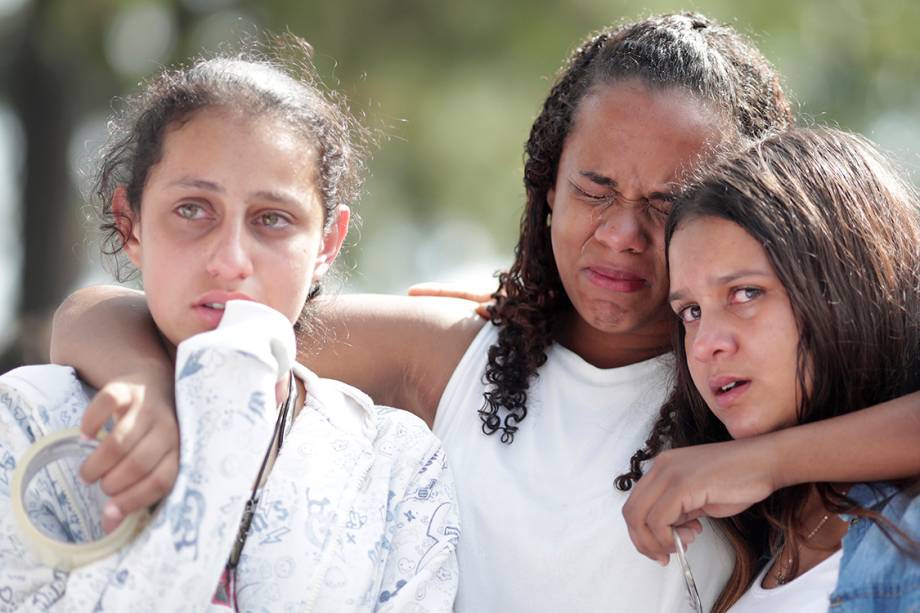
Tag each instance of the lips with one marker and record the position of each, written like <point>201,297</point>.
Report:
<point>617,280</point>
<point>727,389</point>
<point>210,306</point>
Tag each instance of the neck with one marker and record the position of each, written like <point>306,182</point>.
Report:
<point>813,513</point>
<point>614,349</point>
<point>820,534</point>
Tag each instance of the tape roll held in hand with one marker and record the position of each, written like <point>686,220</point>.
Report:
<point>55,553</point>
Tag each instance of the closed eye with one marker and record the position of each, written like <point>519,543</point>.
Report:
<point>591,196</point>
<point>660,206</point>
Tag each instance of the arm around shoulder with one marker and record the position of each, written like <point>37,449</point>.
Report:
<point>399,350</point>
<point>878,443</point>
<point>106,332</point>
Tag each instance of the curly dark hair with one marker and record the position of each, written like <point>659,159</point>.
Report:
<point>687,51</point>
<point>841,230</point>
<point>280,82</point>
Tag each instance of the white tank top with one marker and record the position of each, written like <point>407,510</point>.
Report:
<point>542,521</point>
<point>809,592</point>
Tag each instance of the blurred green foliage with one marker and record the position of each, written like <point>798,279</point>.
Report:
<point>451,89</point>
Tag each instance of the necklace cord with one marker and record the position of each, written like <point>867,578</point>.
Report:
<point>253,501</point>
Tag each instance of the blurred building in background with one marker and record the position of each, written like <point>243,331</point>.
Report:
<point>450,88</point>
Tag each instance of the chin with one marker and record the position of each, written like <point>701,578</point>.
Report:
<point>747,430</point>
<point>607,316</point>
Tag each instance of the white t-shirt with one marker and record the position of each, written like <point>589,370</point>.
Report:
<point>807,593</point>
<point>542,521</point>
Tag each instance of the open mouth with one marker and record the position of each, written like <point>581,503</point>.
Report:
<point>732,386</point>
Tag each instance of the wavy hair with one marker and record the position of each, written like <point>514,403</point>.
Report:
<point>281,83</point>
<point>841,230</point>
<point>687,51</point>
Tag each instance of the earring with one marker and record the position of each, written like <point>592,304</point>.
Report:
<point>549,219</point>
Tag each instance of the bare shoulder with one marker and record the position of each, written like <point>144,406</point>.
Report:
<point>400,350</point>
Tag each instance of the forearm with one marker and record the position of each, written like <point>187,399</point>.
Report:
<point>105,332</point>
<point>401,351</point>
<point>877,443</point>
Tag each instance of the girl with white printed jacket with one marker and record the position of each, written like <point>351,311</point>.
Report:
<point>226,185</point>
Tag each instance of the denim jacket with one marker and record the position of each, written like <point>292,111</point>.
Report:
<point>874,575</point>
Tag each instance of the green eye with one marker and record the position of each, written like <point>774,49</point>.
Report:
<point>188,211</point>
<point>273,220</point>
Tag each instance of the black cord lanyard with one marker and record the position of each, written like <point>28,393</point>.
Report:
<point>282,424</point>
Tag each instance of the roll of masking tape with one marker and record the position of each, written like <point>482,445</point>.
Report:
<point>44,455</point>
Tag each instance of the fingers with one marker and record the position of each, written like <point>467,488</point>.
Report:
<point>111,400</point>
<point>137,462</point>
<point>128,431</point>
<point>149,490</point>
<point>135,465</point>
<point>663,498</point>
<point>642,500</point>
<point>447,290</point>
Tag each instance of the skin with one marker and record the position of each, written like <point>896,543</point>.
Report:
<point>609,213</point>
<point>402,351</point>
<point>231,211</point>
<point>739,326</point>
<point>739,321</point>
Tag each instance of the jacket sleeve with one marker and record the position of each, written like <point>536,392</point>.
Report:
<point>421,572</point>
<point>225,381</point>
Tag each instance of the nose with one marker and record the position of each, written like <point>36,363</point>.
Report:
<point>712,338</point>
<point>229,256</point>
<point>621,227</point>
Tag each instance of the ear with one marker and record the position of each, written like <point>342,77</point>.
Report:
<point>333,238</point>
<point>128,225</point>
<point>551,197</point>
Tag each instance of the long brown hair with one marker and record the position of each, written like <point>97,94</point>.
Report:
<point>842,232</point>
<point>687,51</point>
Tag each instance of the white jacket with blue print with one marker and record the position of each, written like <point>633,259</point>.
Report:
<point>357,514</point>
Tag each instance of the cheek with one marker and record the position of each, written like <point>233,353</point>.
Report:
<point>288,271</point>
<point>696,372</point>
<point>569,231</point>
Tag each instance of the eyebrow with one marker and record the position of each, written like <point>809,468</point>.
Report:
<point>724,280</point>
<point>606,181</point>
<point>211,186</point>
<point>598,178</point>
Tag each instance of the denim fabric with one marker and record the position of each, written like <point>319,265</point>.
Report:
<point>874,575</point>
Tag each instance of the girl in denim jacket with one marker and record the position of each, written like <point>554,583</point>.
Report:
<point>795,274</point>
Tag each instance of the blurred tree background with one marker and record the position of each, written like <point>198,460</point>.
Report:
<point>452,87</point>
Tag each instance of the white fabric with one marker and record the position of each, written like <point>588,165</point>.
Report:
<point>356,515</point>
<point>542,521</point>
<point>807,593</point>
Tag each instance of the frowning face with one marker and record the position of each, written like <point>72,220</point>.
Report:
<point>628,148</point>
